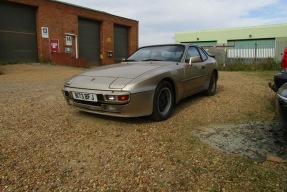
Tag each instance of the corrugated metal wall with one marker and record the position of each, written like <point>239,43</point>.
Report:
<point>251,49</point>
<point>222,35</point>
<point>280,47</point>
<point>18,37</point>
<point>270,40</point>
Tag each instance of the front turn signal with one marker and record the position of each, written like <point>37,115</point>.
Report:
<point>123,97</point>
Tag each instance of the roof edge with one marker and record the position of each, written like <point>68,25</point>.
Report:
<point>82,7</point>
<point>235,28</point>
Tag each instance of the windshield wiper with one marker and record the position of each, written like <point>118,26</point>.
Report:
<point>128,60</point>
<point>152,60</point>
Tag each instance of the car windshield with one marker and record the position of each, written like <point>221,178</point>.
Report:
<point>158,53</point>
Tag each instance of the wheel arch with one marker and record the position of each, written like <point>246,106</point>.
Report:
<point>163,104</point>
<point>174,89</point>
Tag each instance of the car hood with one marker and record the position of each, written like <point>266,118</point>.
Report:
<point>115,76</point>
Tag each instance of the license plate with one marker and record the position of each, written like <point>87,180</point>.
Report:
<point>85,96</point>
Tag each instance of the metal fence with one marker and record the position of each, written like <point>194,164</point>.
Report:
<point>249,53</point>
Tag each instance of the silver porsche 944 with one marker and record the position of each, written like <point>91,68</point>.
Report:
<point>148,83</point>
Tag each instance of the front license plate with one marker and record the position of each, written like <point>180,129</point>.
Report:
<point>85,96</point>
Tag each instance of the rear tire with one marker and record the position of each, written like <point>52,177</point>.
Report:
<point>163,101</point>
<point>212,85</point>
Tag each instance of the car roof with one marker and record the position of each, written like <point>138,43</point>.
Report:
<point>171,44</point>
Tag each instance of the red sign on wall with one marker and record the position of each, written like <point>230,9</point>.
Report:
<point>54,45</point>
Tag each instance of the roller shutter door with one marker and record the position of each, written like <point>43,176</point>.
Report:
<point>18,37</point>
<point>121,42</point>
<point>89,41</point>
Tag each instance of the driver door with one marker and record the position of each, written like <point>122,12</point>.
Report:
<point>195,73</point>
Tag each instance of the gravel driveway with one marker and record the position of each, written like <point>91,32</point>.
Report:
<point>229,142</point>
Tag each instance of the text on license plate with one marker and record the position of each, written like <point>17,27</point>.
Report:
<point>85,96</point>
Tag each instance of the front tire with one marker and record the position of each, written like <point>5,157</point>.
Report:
<point>163,101</point>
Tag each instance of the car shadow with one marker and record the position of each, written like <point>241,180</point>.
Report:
<point>186,102</point>
<point>128,120</point>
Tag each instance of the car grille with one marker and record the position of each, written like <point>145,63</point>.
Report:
<point>87,102</point>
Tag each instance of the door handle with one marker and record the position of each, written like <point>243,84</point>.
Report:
<point>203,67</point>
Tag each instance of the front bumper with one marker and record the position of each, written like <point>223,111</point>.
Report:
<point>140,104</point>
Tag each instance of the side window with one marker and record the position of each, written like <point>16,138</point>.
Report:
<point>192,52</point>
<point>203,55</point>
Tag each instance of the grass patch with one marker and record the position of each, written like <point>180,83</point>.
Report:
<point>267,75</point>
<point>196,169</point>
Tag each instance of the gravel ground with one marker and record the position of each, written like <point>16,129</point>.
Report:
<point>229,142</point>
<point>256,140</point>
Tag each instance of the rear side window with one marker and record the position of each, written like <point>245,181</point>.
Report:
<point>203,55</point>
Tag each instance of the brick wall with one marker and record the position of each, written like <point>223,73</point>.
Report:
<point>62,18</point>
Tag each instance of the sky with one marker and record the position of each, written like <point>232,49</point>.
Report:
<point>159,20</point>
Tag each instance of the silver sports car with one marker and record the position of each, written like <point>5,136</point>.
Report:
<point>148,83</point>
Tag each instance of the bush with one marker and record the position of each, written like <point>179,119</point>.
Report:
<point>3,62</point>
<point>268,64</point>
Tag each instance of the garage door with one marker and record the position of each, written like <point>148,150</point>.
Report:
<point>18,37</point>
<point>89,41</point>
<point>121,42</point>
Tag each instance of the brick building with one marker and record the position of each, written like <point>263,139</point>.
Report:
<point>49,30</point>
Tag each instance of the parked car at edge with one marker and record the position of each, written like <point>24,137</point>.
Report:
<point>281,103</point>
<point>148,83</point>
<point>280,87</point>
<point>281,78</point>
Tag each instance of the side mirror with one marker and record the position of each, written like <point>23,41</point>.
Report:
<point>194,60</point>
